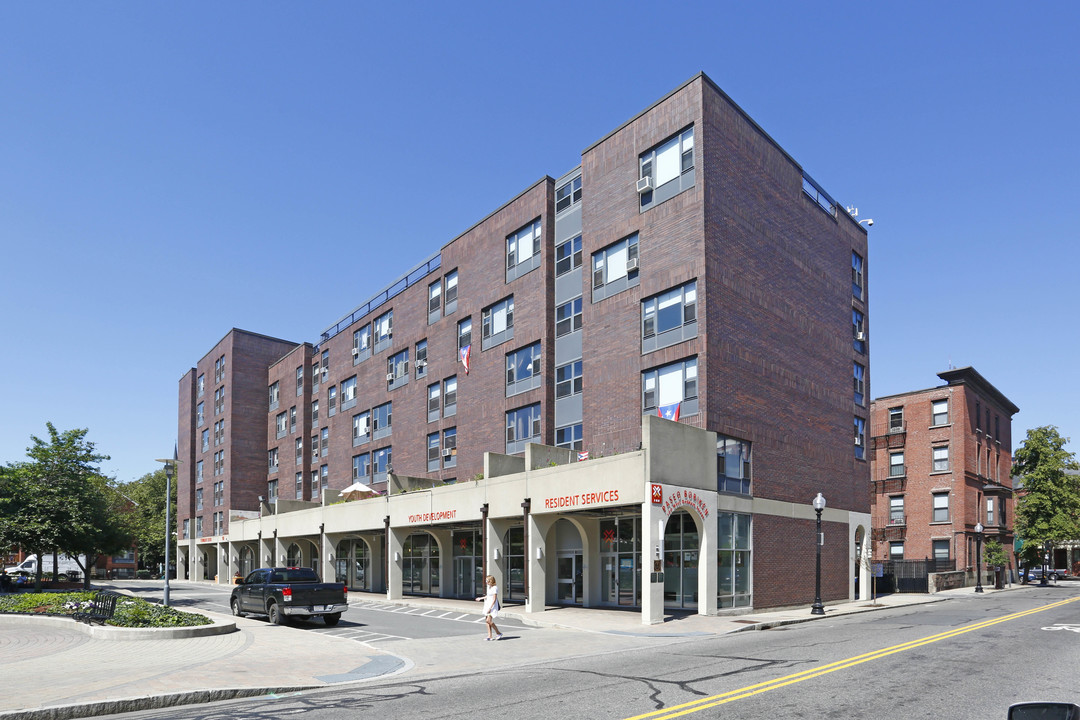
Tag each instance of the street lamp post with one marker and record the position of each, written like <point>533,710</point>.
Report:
<point>978,557</point>
<point>817,608</point>
<point>1045,579</point>
<point>169,467</point>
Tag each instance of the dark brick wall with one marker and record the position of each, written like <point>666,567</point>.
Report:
<point>186,450</point>
<point>284,372</point>
<point>785,561</point>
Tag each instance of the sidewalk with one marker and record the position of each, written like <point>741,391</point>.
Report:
<point>55,670</point>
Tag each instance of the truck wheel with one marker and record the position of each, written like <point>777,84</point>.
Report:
<point>236,607</point>
<point>331,619</point>
<point>276,616</point>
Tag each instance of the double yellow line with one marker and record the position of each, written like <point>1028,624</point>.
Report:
<point>713,701</point>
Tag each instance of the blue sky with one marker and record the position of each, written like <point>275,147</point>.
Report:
<point>170,171</point>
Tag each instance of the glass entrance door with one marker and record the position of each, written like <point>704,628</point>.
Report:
<point>571,582</point>
<point>681,546</point>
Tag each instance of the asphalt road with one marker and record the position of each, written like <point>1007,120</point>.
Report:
<point>966,659</point>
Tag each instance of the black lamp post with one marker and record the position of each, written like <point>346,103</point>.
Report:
<point>169,468</point>
<point>1045,579</point>
<point>978,557</point>
<point>817,608</point>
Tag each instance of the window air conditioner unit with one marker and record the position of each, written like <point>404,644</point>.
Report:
<point>421,364</point>
<point>389,377</point>
<point>447,452</point>
<point>631,265</point>
<point>355,351</point>
<point>860,335</point>
<point>858,440</point>
<point>644,185</point>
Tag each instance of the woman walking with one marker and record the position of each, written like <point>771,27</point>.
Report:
<point>491,608</point>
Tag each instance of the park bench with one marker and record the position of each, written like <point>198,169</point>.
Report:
<point>102,607</point>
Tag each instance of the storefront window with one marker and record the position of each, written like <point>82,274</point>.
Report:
<point>733,558</point>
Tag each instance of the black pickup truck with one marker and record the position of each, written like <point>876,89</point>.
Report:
<point>285,592</point>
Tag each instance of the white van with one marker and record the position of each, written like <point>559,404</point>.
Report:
<point>66,565</point>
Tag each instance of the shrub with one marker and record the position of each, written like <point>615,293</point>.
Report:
<point>130,611</point>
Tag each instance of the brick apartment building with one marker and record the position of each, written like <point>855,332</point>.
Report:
<point>687,267</point>
<point>941,463</point>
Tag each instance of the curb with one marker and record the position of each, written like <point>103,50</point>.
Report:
<point>108,632</point>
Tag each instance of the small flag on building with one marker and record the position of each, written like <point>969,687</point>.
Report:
<point>463,355</point>
<point>670,412</point>
<point>583,455</point>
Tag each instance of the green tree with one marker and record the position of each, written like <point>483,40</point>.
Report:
<point>59,502</point>
<point>146,516</point>
<point>1048,504</point>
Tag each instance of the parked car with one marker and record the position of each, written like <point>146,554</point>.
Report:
<point>289,592</point>
<point>1036,573</point>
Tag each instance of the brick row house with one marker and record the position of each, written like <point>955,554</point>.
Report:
<point>624,387</point>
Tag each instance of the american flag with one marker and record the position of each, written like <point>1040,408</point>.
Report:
<point>669,412</point>
<point>583,455</point>
<point>463,355</point>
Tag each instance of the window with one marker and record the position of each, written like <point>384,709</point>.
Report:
<point>314,484</point>
<point>198,499</point>
<point>939,410</point>
<point>361,467</point>
<point>384,330</point>
<point>497,325</point>
<point>200,385</point>
<point>380,461</point>
<point>324,476</point>
<point>568,255</point>
<point>733,559</point>
<point>281,424</point>
<point>187,528</point>
<point>219,462</point>
<point>669,168</point>
<point>219,369</point>
<point>522,427</point>
<point>569,437</point>
<point>450,296</point>
<point>464,333</point>
<point>205,440</point>
<point>450,396</point>
<point>732,465</point>
<point>860,438</point>
<point>292,419</point>
<point>896,510</point>
<point>219,432</point>
<point>568,195</point>
<point>198,526</point>
<point>314,412</point>
<point>523,370</point>
<point>941,458</point>
<point>978,414</point>
<point>941,507</point>
<point>860,384</point>
<point>324,441</point>
<point>672,386</point>
<point>433,452</point>
<point>669,318</point>
<point>299,486</point>
<point>314,446</point>
<point>331,401</point>
<point>856,275</point>
<point>896,464</point>
<point>568,379</point>
<point>361,344</point>
<point>397,369</point>
<point>219,400</point>
<point>316,376</point>
<point>300,381</point>
<point>200,414</point>
<point>434,404</point>
<point>568,317</point>
<point>434,301</point>
<point>198,471</point>
<point>896,550</point>
<point>382,418</point>
<point>361,428</point>
<point>274,392</point>
<point>449,447</point>
<point>298,451</point>
<point>523,250</point>
<point>219,493</point>
<point>941,550</point>
<point>348,394</point>
<point>858,331</point>
<point>997,427</point>
<point>421,359</point>
<point>615,268</point>
<point>989,511</point>
<point>896,419</point>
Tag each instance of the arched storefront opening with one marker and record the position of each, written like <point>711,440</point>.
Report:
<point>681,556</point>
<point>569,564</point>
<point>352,564</point>
<point>313,560</point>
<point>420,565</point>
<point>514,564</point>
<point>860,561</point>
<point>247,561</point>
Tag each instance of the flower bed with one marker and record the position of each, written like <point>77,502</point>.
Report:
<point>131,612</point>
